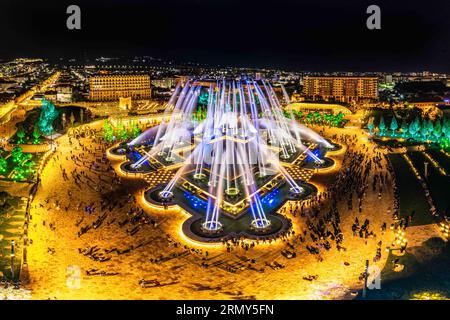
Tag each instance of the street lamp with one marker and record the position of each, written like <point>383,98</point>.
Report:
<point>12,259</point>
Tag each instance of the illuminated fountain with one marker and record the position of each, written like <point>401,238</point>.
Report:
<point>230,161</point>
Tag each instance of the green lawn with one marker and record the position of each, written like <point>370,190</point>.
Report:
<point>12,215</point>
<point>417,277</point>
<point>412,196</point>
<point>440,157</point>
<point>438,184</point>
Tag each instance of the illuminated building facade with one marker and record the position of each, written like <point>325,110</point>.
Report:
<point>344,89</point>
<point>113,87</point>
<point>165,83</point>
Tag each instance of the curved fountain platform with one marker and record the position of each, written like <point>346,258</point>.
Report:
<point>127,168</point>
<point>119,151</point>
<point>192,228</point>
<point>327,163</point>
<point>335,146</point>
<point>230,227</point>
<point>156,197</point>
<point>307,190</point>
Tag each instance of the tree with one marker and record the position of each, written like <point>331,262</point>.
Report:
<point>28,166</point>
<point>446,128</point>
<point>20,135</point>
<point>22,163</point>
<point>423,129</point>
<point>404,127</point>
<point>437,132</point>
<point>382,125</point>
<point>63,120</point>
<point>427,128</point>
<point>36,134</point>
<point>286,114</point>
<point>340,116</point>
<point>122,133</point>
<point>203,98</point>
<point>135,131</point>
<point>338,119</point>
<point>316,117</point>
<point>371,125</point>
<point>108,132</point>
<point>19,173</point>
<point>394,125</point>
<point>47,116</point>
<point>414,127</point>
<point>3,165</point>
<point>17,154</point>
<point>72,119</point>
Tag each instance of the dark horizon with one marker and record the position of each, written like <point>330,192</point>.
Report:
<point>307,35</point>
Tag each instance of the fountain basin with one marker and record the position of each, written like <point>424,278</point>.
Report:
<point>260,225</point>
<point>232,192</point>
<point>199,176</point>
<point>211,228</point>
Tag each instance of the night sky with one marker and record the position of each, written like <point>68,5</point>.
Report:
<point>316,35</point>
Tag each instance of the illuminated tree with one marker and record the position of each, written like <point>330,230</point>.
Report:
<point>414,127</point>
<point>72,119</point>
<point>135,131</point>
<point>446,128</point>
<point>3,165</point>
<point>340,117</point>
<point>437,132</point>
<point>422,130</point>
<point>404,128</point>
<point>204,113</point>
<point>22,163</point>
<point>394,125</point>
<point>382,126</point>
<point>427,129</point>
<point>200,114</point>
<point>46,118</point>
<point>17,154</point>
<point>19,173</point>
<point>20,135</point>
<point>28,166</point>
<point>108,132</point>
<point>316,117</point>
<point>36,135</point>
<point>203,98</point>
<point>371,125</point>
<point>122,133</point>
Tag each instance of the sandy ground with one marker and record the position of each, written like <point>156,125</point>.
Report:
<point>58,270</point>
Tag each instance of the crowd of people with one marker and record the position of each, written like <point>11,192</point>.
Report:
<point>322,231</point>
